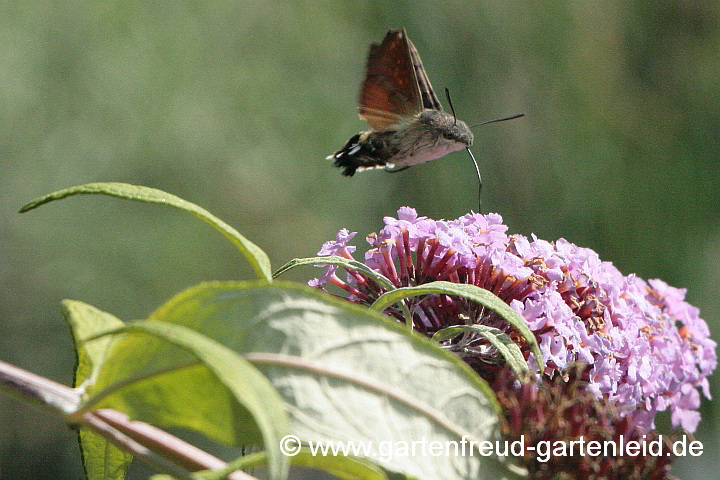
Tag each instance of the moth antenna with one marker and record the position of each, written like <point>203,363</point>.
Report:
<point>493,121</point>
<point>452,109</point>
<point>477,170</point>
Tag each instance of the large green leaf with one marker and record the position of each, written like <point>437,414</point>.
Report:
<point>185,378</point>
<point>254,254</point>
<point>101,459</point>
<point>345,373</point>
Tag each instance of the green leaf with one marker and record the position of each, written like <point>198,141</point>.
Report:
<point>346,468</point>
<point>254,254</point>
<point>86,322</point>
<point>346,373</point>
<point>473,293</point>
<point>497,338</point>
<point>101,459</point>
<point>169,388</point>
<point>381,279</point>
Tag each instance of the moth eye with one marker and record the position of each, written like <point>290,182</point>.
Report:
<point>448,136</point>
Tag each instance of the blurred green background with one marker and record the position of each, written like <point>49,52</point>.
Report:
<point>233,105</point>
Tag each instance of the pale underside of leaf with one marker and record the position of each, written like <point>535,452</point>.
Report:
<point>347,374</point>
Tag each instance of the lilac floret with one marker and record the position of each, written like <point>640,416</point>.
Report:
<point>340,245</point>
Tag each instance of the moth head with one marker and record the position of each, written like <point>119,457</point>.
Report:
<point>447,129</point>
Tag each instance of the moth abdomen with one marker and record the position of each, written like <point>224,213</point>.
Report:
<point>363,151</point>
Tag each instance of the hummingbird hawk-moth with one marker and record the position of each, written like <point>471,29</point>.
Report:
<point>409,125</point>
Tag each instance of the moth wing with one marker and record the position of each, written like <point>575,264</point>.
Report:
<point>429,99</point>
<point>390,92</point>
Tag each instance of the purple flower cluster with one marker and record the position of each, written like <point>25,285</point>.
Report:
<point>648,349</point>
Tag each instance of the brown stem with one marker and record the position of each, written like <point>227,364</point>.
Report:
<point>154,446</point>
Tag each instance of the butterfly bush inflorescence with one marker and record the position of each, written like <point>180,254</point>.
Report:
<point>647,349</point>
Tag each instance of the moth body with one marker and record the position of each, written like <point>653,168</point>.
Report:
<point>423,137</point>
<point>408,123</point>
